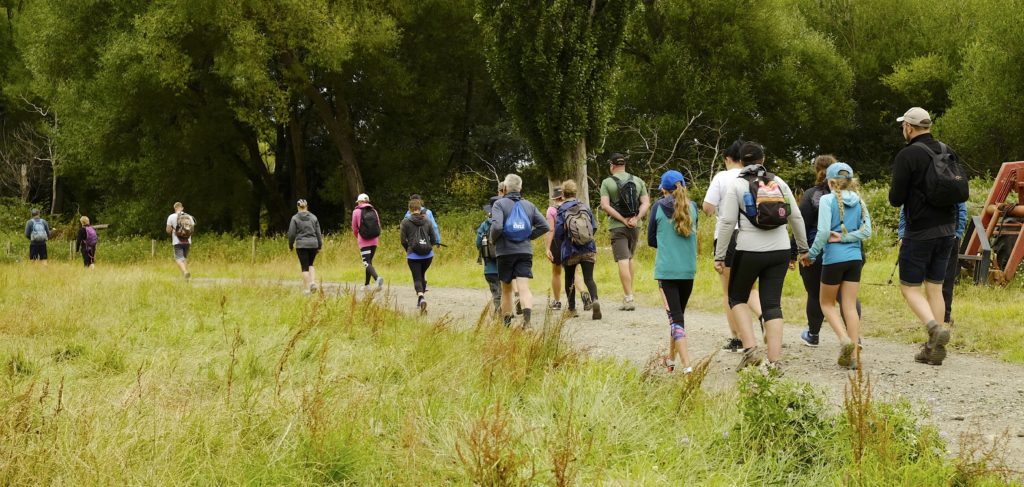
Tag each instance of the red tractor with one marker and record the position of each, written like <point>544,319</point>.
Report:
<point>996,231</point>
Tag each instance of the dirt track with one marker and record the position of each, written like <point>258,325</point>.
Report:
<point>967,394</point>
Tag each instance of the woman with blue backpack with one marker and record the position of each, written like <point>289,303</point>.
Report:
<point>843,224</point>
<point>418,239</point>
<point>86,241</point>
<point>673,232</point>
<point>574,228</point>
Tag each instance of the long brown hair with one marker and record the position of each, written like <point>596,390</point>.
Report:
<point>681,212</point>
<point>821,163</point>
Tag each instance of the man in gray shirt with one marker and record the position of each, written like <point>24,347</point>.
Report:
<point>514,223</point>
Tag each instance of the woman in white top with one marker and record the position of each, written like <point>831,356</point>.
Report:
<point>712,201</point>
<point>763,251</point>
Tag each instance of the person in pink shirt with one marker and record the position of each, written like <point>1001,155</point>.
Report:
<point>366,227</point>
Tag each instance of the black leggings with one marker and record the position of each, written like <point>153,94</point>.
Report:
<point>306,258</point>
<point>419,267</point>
<point>367,254</point>
<point>677,294</point>
<point>495,286</point>
<point>952,273</point>
<point>569,273</point>
<point>812,284</point>
<point>89,256</point>
<point>768,269</point>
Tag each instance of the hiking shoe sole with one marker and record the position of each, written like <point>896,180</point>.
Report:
<point>596,308</point>
<point>937,345</point>
<point>627,306</point>
<point>587,302</point>
<point>423,307</point>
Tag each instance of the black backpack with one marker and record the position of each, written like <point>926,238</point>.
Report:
<point>766,207</point>
<point>421,243</point>
<point>629,197</point>
<point>945,182</point>
<point>369,223</point>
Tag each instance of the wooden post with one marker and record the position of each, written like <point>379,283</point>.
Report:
<point>8,248</point>
<point>71,251</point>
<point>253,249</point>
<point>152,248</point>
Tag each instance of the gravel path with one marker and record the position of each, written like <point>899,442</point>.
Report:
<point>968,394</point>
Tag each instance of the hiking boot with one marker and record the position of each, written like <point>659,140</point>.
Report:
<point>422,305</point>
<point>733,345</point>
<point>571,313</point>
<point>627,304</point>
<point>596,309</point>
<point>313,287</point>
<point>751,356</point>
<point>938,337</point>
<point>922,355</point>
<point>809,339</point>
<point>380,283</point>
<point>508,320</point>
<point>556,305</point>
<point>846,354</point>
<point>587,302</point>
<point>669,364</point>
<point>188,276</point>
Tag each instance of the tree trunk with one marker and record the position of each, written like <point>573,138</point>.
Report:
<point>23,183</point>
<point>579,163</point>
<point>300,184</point>
<point>263,181</point>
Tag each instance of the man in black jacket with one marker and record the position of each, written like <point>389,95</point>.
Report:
<point>926,245</point>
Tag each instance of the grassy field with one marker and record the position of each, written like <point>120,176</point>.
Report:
<point>128,376</point>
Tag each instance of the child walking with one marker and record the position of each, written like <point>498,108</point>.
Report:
<point>842,257</point>
<point>575,227</point>
<point>673,232</point>
<point>418,239</point>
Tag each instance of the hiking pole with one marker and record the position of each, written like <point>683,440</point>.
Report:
<point>893,273</point>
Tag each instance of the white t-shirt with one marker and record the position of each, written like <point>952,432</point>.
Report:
<point>172,221</point>
<point>717,189</point>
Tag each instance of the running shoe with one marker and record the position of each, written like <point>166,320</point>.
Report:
<point>688,371</point>
<point>733,345</point>
<point>627,304</point>
<point>596,310</point>
<point>587,301</point>
<point>809,339</point>
<point>555,305</point>
<point>423,306</point>
<point>669,364</point>
<point>380,283</point>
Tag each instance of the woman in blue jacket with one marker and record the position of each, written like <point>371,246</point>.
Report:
<point>673,231</point>
<point>841,252</point>
<point>573,254</point>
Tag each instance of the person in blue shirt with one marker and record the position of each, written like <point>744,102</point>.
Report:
<point>843,224</point>
<point>672,230</point>
<point>574,255</point>
<point>953,266</point>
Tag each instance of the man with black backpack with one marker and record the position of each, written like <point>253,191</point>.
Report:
<point>624,198</point>
<point>180,226</point>
<point>928,182</point>
<point>366,227</point>
<point>514,223</point>
<point>37,231</point>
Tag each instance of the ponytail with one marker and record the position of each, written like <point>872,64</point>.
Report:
<point>681,212</point>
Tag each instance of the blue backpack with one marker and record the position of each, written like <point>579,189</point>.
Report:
<point>518,225</point>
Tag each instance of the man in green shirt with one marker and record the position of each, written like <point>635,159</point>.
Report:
<point>624,198</point>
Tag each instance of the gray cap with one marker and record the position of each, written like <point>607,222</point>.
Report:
<point>917,116</point>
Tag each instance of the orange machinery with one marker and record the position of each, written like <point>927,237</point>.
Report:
<point>998,227</point>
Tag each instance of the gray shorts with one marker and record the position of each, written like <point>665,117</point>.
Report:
<point>624,242</point>
<point>181,251</point>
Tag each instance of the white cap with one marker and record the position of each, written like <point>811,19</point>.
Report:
<point>362,197</point>
<point>917,116</point>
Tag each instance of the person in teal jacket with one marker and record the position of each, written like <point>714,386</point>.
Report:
<point>843,224</point>
<point>489,260</point>
<point>672,230</point>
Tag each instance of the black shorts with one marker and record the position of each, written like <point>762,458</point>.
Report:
<point>925,260</point>
<point>514,266</point>
<point>556,252</point>
<point>306,258</point>
<point>730,254</point>
<point>849,271</point>
<point>37,251</point>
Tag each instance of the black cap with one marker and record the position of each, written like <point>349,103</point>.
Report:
<point>751,153</point>
<point>490,203</point>
<point>617,159</point>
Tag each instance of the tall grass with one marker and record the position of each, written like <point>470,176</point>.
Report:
<point>126,376</point>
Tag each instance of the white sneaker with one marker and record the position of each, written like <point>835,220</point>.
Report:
<point>688,370</point>
<point>380,283</point>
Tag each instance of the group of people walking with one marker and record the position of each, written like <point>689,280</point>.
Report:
<point>762,232</point>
